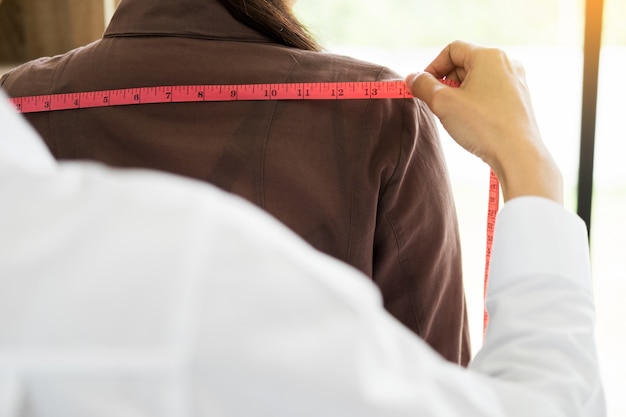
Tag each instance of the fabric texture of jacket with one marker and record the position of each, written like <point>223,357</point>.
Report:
<point>362,180</point>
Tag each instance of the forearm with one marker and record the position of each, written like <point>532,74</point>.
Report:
<point>528,170</point>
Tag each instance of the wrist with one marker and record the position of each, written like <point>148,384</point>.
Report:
<point>530,172</point>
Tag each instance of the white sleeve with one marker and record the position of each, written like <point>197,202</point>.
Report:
<point>540,336</point>
<point>132,293</point>
<point>327,348</point>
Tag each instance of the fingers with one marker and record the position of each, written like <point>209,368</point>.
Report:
<point>424,86</point>
<point>453,61</point>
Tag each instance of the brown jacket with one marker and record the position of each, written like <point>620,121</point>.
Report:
<point>362,180</point>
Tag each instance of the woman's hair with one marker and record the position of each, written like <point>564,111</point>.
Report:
<point>272,18</point>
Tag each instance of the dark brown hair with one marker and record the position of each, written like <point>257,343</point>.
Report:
<point>274,19</point>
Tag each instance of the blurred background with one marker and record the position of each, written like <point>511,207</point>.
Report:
<point>547,36</point>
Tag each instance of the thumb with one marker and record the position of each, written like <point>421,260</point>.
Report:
<point>424,86</point>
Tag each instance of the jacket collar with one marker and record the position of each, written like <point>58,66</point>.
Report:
<point>202,19</point>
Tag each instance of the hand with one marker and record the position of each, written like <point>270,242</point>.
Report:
<point>490,115</point>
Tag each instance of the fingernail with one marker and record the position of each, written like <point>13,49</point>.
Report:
<point>410,79</point>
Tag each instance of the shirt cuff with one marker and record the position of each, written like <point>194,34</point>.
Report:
<point>535,235</point>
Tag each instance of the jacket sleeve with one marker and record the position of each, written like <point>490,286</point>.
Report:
<point>417,257</point>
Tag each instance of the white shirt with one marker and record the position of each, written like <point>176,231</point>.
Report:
<point>133,293</point>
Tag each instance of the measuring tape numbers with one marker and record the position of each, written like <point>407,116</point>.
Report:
<point>209,93</point>
<point>492,212</point>
<point>354,90</point>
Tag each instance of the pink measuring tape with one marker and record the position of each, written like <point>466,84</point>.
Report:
<point>356,90</point>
